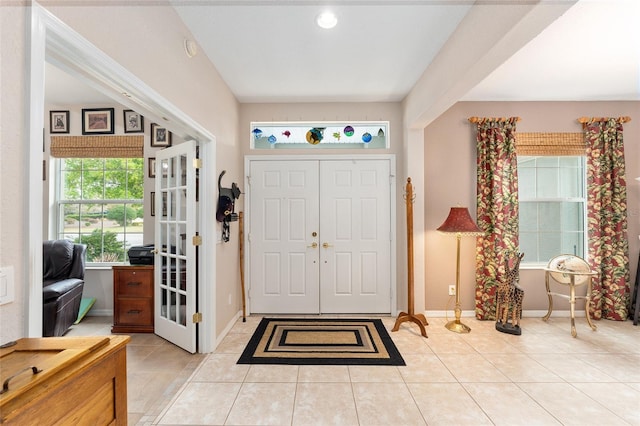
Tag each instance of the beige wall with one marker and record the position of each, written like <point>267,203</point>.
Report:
<point>450,179</point>
<point>13,167</point>
<point>148,42</point>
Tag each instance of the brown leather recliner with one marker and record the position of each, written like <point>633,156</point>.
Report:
<point>63,264</point>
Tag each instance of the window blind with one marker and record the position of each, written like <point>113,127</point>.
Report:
<point>555,144</point>
<point>120,146</point>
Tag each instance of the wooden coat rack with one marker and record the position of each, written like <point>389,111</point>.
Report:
<point>410,315</point>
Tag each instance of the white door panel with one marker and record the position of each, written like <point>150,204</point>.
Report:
<point>284,216</point>
<point>355,237</point>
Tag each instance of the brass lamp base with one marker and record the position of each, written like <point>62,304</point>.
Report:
<point>457,327</point>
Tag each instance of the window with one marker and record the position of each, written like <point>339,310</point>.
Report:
<point>551,191</point>
<point>319,135</point>
<point>100,204</point>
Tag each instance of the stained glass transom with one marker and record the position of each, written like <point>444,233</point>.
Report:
<point>298,135</point>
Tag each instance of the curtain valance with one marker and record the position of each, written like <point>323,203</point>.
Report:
<point>121,146</point>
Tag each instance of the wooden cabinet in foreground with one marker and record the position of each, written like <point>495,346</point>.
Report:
<point>64,381</point>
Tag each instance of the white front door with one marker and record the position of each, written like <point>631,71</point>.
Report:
<point>319,236</point>
<point>175,261</point>
<point>355,244</point>
<point>284,217</point>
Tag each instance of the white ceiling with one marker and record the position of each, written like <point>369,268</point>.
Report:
<point>590,53</point>
<point>272,51</point>
<point>275,53</point>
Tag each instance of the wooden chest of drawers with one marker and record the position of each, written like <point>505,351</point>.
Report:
<point>132,299</point>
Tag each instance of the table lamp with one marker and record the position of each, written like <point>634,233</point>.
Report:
<point>459,223</point>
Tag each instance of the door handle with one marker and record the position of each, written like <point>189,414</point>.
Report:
<point>326,245</point>
<point>313,245</point>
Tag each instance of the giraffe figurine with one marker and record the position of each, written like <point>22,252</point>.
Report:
<point>509,300</point>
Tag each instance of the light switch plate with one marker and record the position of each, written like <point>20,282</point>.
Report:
<point>7,285</point>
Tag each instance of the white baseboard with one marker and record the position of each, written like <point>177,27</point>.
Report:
<point>227,329</point>
<point>525,314</point>
<point>100,313</point>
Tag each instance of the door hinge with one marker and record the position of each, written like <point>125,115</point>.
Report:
<point>196,240</point>
<point>197,317</point>
<point>248,180</point>
<point>197,163</point>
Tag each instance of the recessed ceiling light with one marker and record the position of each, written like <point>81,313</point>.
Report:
<point>326,20</point>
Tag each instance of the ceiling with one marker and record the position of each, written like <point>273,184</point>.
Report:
<point>277,53</point>
<point>272,51</point>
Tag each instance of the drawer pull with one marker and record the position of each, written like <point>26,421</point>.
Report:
<point>134,284</point>
<point>134,311</point>
<point>5,385</point>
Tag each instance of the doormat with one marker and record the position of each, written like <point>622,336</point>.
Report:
<point>313,341</point>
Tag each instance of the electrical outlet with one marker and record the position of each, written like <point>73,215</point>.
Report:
<point>452,290</point>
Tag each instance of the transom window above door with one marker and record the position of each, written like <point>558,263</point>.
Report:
<point>319,135</point>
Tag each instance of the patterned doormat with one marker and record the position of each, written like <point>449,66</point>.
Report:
<point>312,341</point>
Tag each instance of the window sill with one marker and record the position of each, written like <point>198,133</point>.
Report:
<point>533,267</point>
<point>105,267</point>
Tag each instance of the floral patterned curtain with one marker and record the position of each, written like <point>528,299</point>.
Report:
<point>497,205</point>
<point>607,218</point>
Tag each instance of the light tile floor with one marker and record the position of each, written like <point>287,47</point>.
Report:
<point>543,377</point>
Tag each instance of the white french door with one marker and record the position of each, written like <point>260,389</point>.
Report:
<point>175,260</point>
<point>320,236</point>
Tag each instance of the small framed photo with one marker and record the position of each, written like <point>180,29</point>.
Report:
<point>97,121</point>
<point>152,167</point>
<point>160,136</point>
<point>58,121</point>
<point>133,122</point>
<point>152,200</point>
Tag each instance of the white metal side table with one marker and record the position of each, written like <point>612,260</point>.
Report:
<point>572,271</point>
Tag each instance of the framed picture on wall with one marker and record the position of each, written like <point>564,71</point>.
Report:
<point>133,122</point>
<point>58,121</point>
<point>97,121</point>
<point>160,136</point>
<point>152,167</point>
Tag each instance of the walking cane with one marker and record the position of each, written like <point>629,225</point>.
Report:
<point>241,228</point>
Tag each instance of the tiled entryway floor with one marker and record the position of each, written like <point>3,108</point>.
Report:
<point>543,377</point>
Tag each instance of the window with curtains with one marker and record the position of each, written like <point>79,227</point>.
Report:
<point>99,199</point>
<point>552,195</point>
